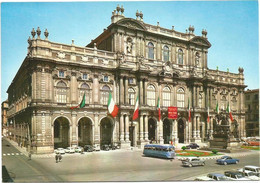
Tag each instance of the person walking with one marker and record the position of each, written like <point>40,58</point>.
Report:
<point>29,155</point>
<point>60,157</point>
<point>57,158</point>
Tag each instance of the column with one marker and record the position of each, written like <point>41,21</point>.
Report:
<point>141,91</point>
<point>144,92</point>
<point>175,131</point>
<point>190,132</point>
<point>73,92</point>
<point>121,88</point>
<point>74,137</point>
<point>197,96</point>
<point>146,128</point>
<point>127,128</point>
<point>141,128</point>
<point>194,97</point>
<point>211,127</point>
<point>210,99</point>
<point>122,133</point>
<point>126,91</point>
<point>95,89</point>
<point>161,140</point>
<point>194,126</point>
<point>198,127</point>
<point>97,130</point>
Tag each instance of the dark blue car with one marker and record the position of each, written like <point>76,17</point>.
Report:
<point>227,160</point>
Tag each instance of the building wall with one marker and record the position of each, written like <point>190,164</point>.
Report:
<point>54,77</point>
<point>252,112</point>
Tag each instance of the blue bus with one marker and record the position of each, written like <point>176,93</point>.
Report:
<point>160,151</point>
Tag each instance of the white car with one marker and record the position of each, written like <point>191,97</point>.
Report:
<point>203,178</point>
<point>235,175</point>
<point>96,147</point>
<point>254,169</point>
<point>60,151</point>
<point>78,149</point>
<point>249,174</point>
<point>70,150</point>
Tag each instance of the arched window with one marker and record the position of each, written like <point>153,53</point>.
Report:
<point>233,103</point>
<point>84,88</point>
<point>165,53</point>
<point>180,56</point>
<point>105,94</point>
<point>150,50</point>
<point>197,59</point>
<point>200,100</point>
<point>131,96</point>
<point>180,97</point>
<point>61,92</point>
<point>151,95</point>
<point>166,96</point>
<point>223,104</point>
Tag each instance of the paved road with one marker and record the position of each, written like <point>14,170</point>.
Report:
<point>118,165</point>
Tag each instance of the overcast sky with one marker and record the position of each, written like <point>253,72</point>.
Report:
<point>232,29</point>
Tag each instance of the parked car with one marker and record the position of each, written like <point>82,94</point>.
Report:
<point>249,174</point>
<point>70,150</point>
<point>203,178</point>
<point>96,147</point>
<point>192,146</point>
<point>217,176</point>
<point>235,175</point>
<point>88,148</point>
<point>105,147</point>
<point>193,162</point>
<point>78,149</point>
<point>227,160</point>
<point>254,169</point>
<point>59,151</point>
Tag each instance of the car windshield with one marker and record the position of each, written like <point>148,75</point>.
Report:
<point>257,169</point>
<point>239,176</point>
<point>250,174</point>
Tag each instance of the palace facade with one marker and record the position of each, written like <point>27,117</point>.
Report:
<point>130,58</point>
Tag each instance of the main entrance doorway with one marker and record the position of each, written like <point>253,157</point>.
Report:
<point>166,131</point>
<point>181,131</point>
<point>151,129</point>
<point>61,133</point>
<point>85,132</point>
<point>106,131</point>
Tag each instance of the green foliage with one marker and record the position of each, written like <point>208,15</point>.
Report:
<point>214,151</point>
<point>183,148</point>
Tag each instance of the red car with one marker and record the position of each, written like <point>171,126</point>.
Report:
<point>254,143</point>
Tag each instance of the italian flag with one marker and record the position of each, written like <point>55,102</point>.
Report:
<point>82,103</point>
<point>159,109</point>
<point>217,109</point>
<point>112,107</point>
<point>208,115</point>
<point>230,114</point>
<point>136,111</point>
<point>189,112</point>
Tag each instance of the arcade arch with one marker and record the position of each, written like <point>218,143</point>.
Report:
<point>61,132</point>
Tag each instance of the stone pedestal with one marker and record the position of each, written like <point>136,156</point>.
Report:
<point>125,145</point>
<point>141,144</point>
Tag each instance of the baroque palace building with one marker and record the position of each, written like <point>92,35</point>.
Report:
<point>129,59</point>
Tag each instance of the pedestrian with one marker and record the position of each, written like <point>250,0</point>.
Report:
<point>82,151</point>
<point>56,158</point>
<point>29,156</point>
<point>60,157</point>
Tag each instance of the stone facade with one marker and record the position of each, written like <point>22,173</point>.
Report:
<point>129,59</point>
<point>252,112</point>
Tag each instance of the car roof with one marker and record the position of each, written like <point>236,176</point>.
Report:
<point>225,157</point>
<point>251,166</point>
<point>159,145</point>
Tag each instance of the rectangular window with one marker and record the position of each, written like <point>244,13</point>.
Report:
<point>85,76</point>
<point>180,100</point>
<point>166,99</point>
<point>105,79</point>
<point>61,74</point>
<point>256,96</point>
<point>131,81</point>
<point>248,97</point>
<point>151,98</point>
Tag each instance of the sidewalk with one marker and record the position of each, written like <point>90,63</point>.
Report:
<point>15,144</point>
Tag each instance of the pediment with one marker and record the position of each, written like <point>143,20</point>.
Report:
<point>201,41</point>
<point>131,23</point>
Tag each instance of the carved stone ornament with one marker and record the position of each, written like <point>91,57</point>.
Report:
<point>61,55</point>
<point>129,45</point>
<point>84,58</point>
<point>105,61</point>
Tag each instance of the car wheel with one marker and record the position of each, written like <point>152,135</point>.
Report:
<point>203,164</point>
<point>225,163</point>
<point>190,165</point>
<point>236,162</point>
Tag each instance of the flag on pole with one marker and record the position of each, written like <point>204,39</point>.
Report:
<point>217,109</point>
<point>230,114</point>
<point>136,111</point>
<point>82,103</point>
<point>189,112</point>
<point>159,109</point>
<point>208,114</point>
<point>112,107</point>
